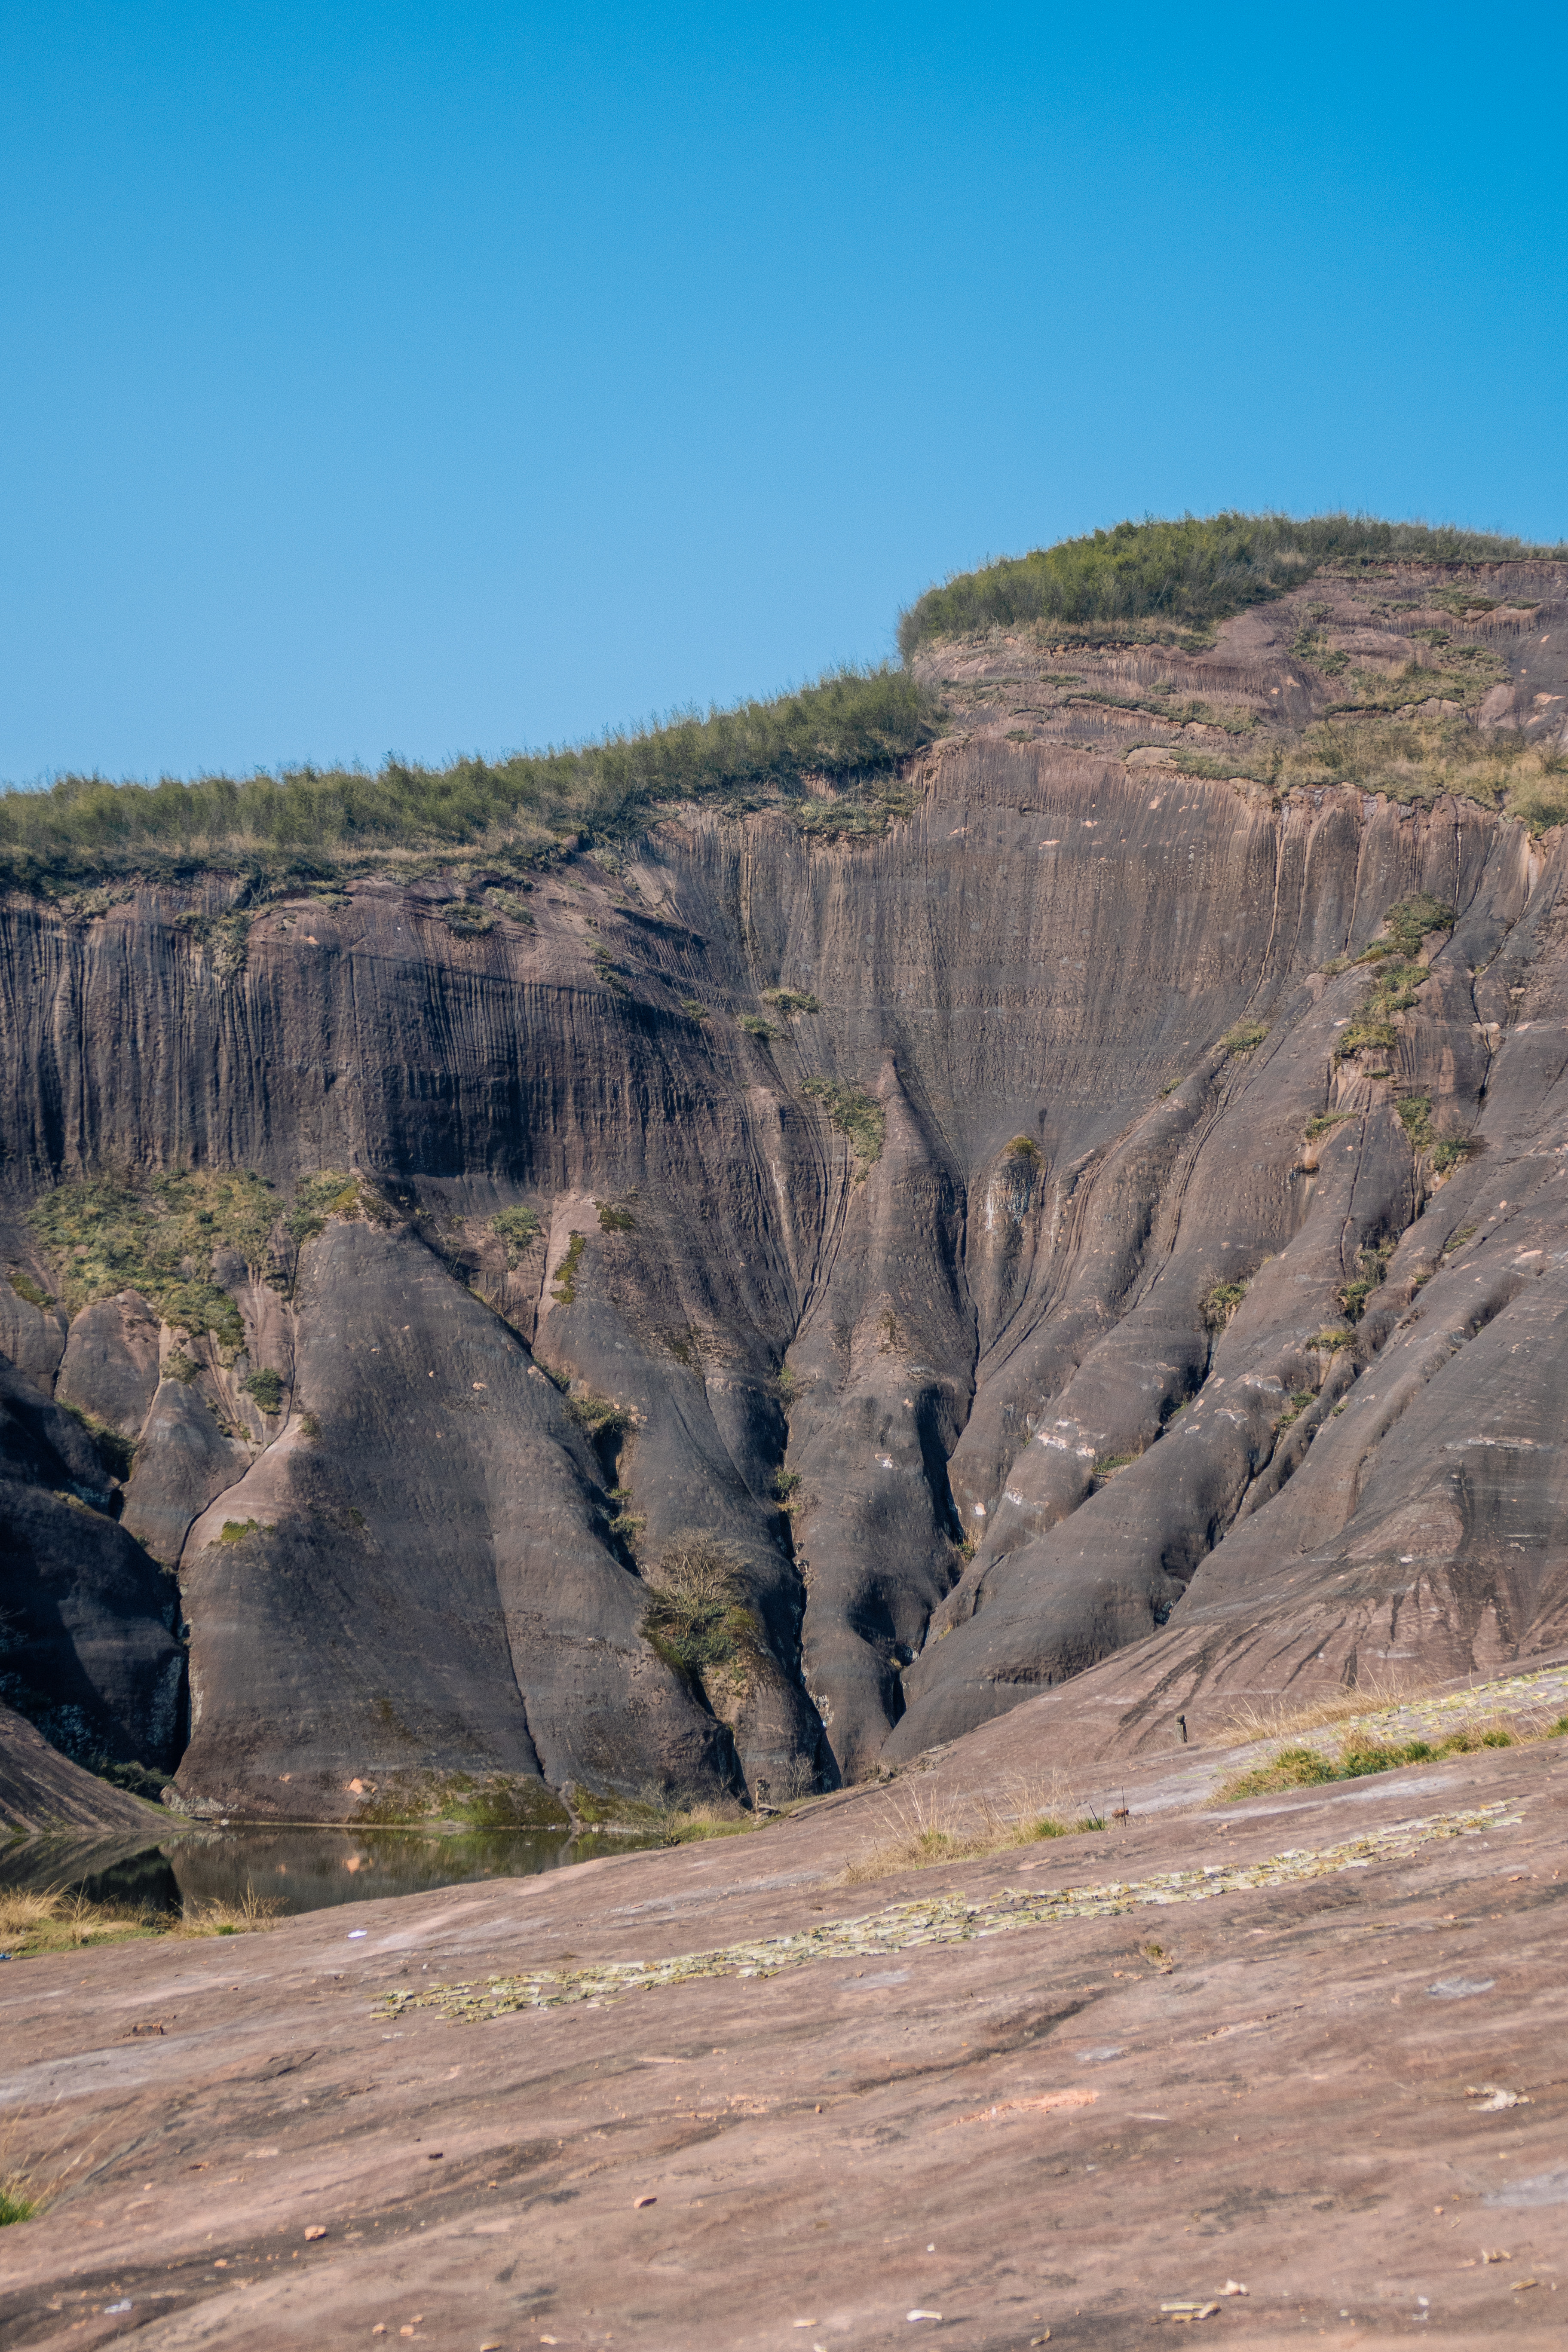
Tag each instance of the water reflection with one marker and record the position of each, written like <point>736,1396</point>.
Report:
<point>293,1869</point>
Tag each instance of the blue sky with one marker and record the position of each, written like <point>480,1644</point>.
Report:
<point>440,379</point>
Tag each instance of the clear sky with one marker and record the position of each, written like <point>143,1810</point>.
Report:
<point>456,378</point>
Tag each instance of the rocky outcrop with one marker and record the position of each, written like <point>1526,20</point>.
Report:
<point>44,1794</point>
<point>89,1648</point>
<point>1076,1258</point>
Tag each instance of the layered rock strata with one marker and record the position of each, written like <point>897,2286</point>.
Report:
<point>1079,1253</point>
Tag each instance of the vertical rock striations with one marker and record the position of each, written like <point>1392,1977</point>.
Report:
<point>1025,1235</point>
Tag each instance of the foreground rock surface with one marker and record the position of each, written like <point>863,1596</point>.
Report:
<point>1337,2086</point>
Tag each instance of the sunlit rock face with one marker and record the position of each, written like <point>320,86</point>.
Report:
<point>1093,1270</point>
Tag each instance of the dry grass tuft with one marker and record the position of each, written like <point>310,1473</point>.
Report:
<point>251,1915</point>
<point>925,1829</point>
<point>53,1921</point>
<point>657,1816</point>
<point>691,1824</point>
<point>32,2175</point>
<point>1281,1718</point>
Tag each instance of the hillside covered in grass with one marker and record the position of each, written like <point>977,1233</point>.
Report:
<point>1187,573</point>
<point>850,729</point>
<point>836,750</point>
<point>1279,655</point>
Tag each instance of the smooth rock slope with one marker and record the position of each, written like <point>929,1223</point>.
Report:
<point>1285,2070</point>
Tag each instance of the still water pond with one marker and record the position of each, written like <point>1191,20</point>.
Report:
<point>296,1869</point>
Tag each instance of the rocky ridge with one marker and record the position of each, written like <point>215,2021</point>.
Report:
<point>1010,1213</point>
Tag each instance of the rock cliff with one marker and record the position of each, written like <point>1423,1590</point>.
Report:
<point>1105,1203</point>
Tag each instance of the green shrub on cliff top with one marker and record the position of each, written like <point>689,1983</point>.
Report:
<point>1186,574</point>
<point>599,1416</point>
<point>1408,920</point>
<point>1416,756</point>
<point>849,727</point>
<point>467,922</point>
<point>565,1291</point>
<point>1397,977</point>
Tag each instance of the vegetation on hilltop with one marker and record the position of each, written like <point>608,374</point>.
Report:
<point>1418,758</point>
<point>1408,730</point>
<point>852,731</point>
<point>850,727</point>
<point>1413,736</point>
<point>1186,574</point>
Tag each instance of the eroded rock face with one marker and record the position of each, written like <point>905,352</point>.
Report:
<point>109,1367</point>
<point>998,1313</point>
<point>425,1586</point>
<point>89,1641</point>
